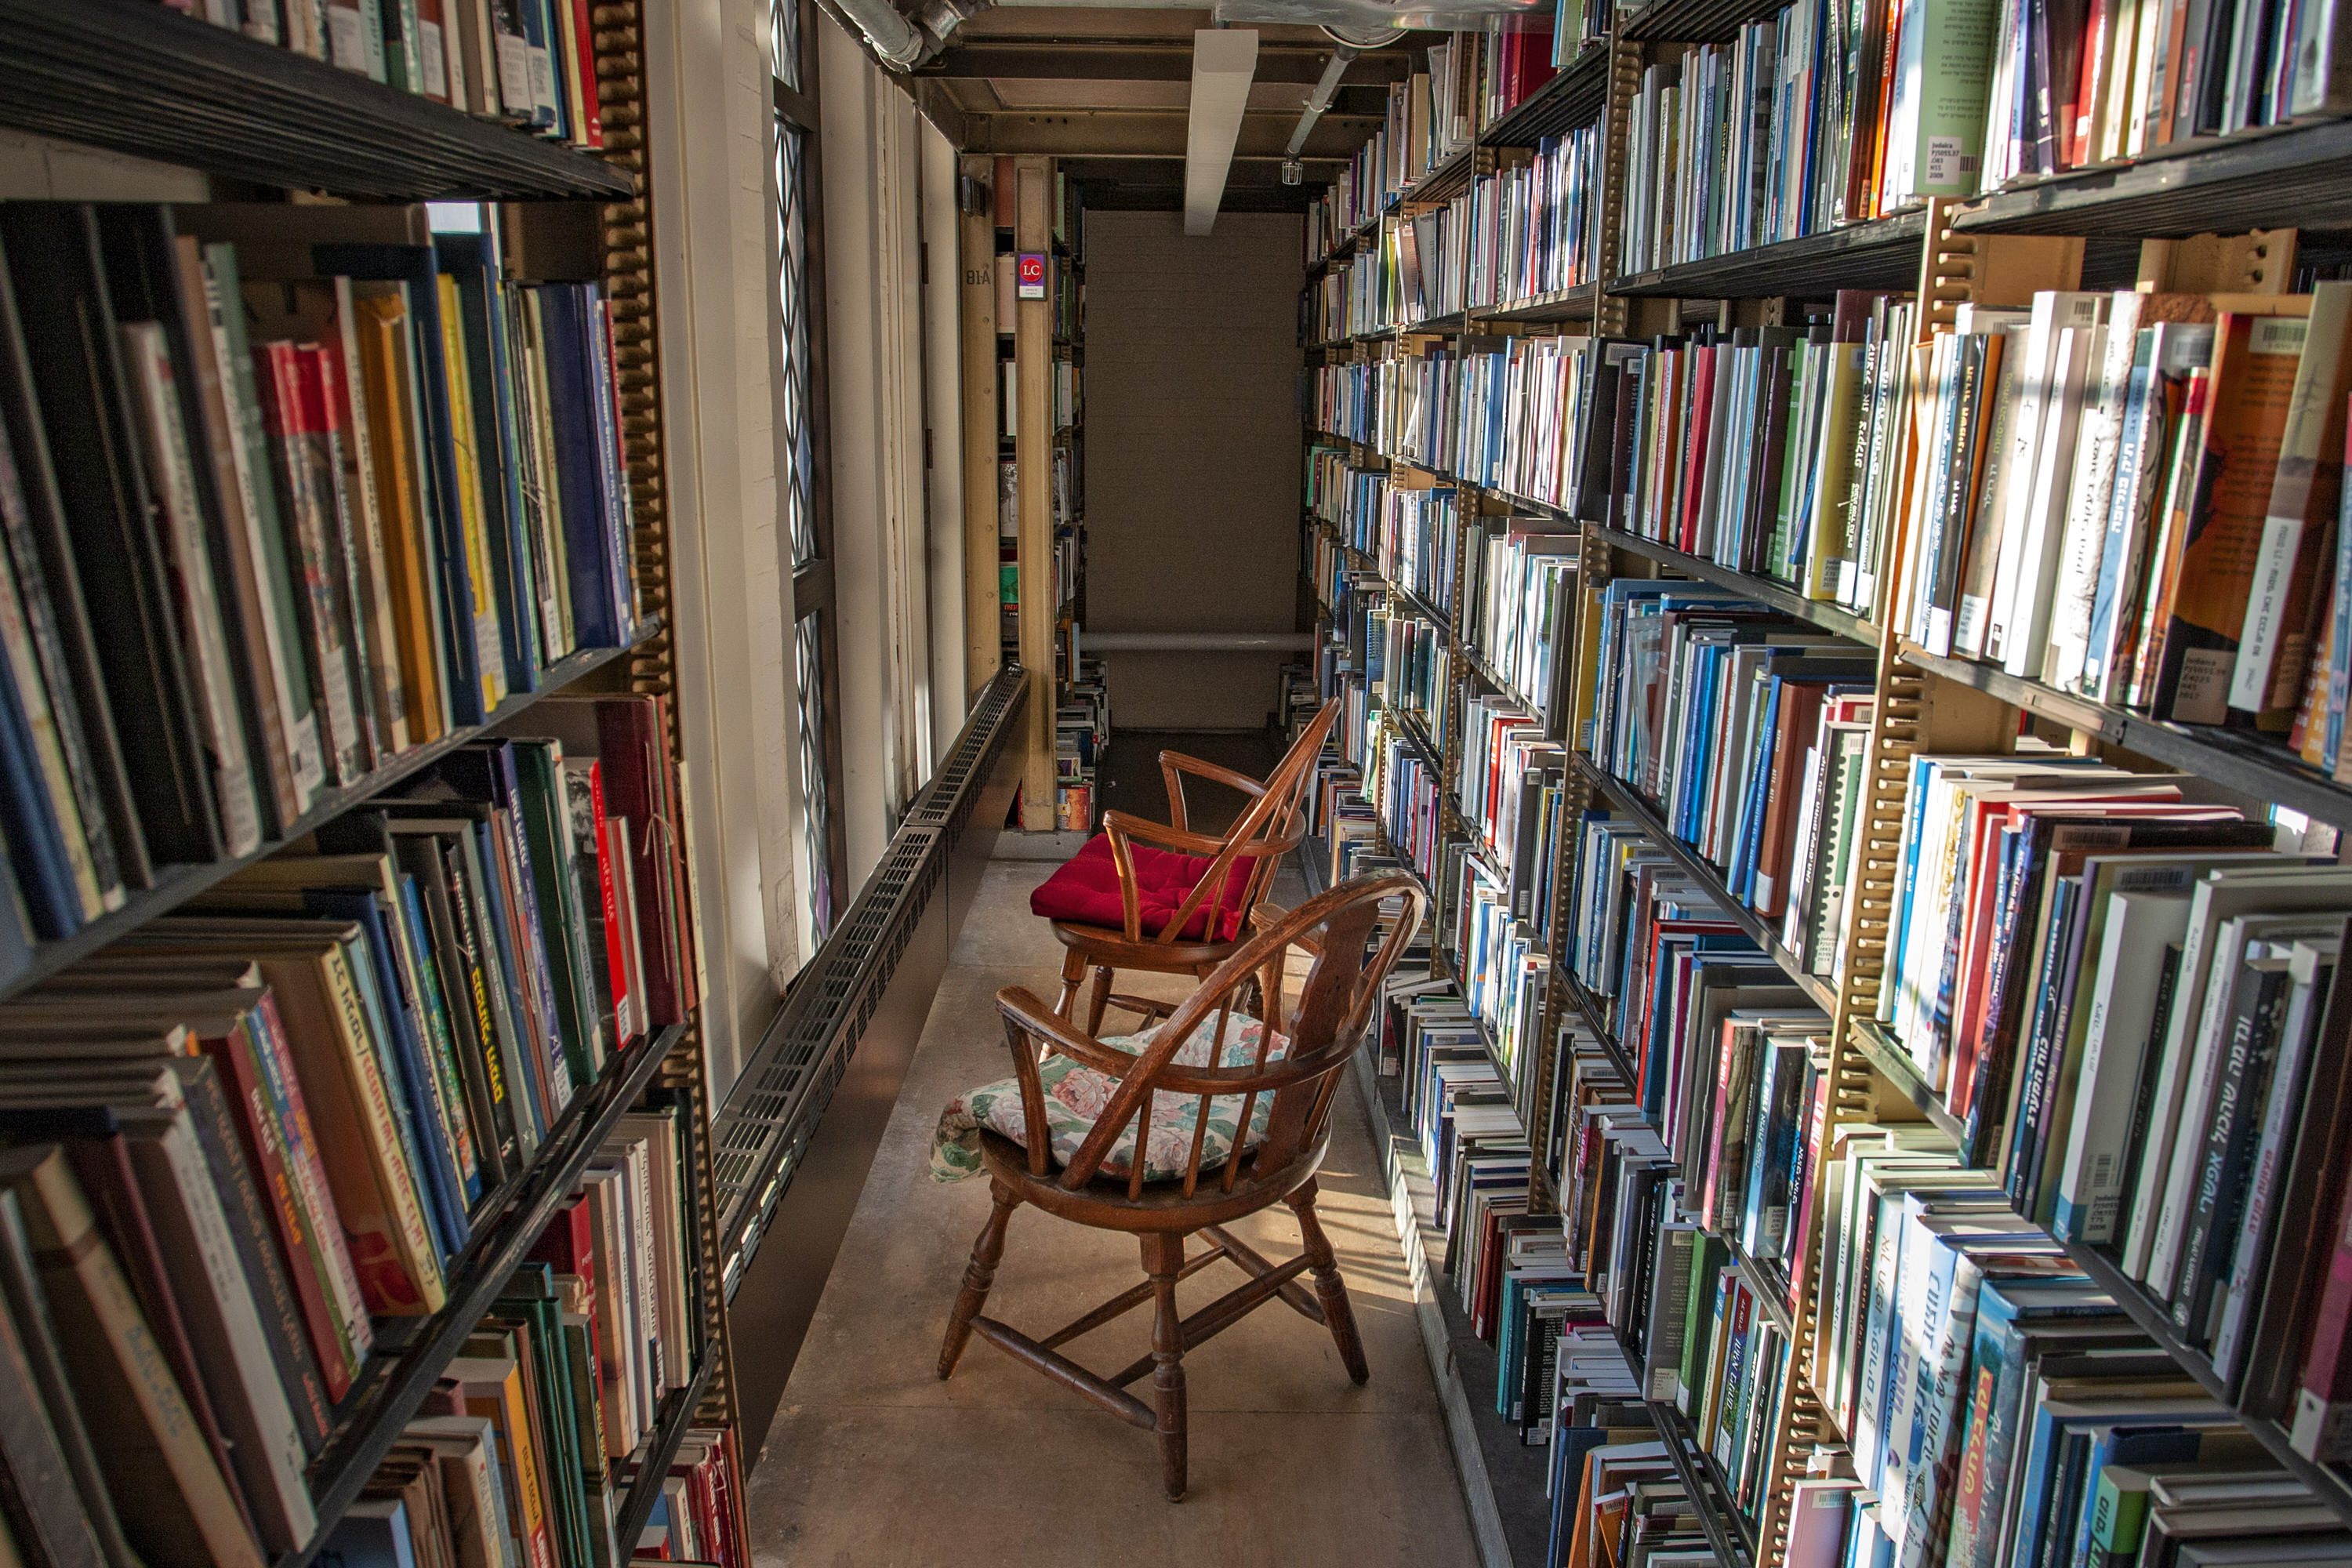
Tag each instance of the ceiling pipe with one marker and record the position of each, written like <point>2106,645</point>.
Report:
<point>896,42</point>
<point>1326,89</point>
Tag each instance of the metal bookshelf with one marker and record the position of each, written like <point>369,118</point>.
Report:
<point>143,79</point>
<point>394,1383</point>
<point>175,885</point>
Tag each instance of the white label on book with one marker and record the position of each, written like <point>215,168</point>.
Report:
<point>428,46</point>
<point>543,79</point>
<point>514,74</point>
<point>1938,639</point>
<point>347,34</point>
<point>1944,161</point>
<point>2273,564</point>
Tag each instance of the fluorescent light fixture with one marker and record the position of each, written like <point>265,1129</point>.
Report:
<point>1223,61</point>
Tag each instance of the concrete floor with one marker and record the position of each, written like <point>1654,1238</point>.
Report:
<point>872,1462</point>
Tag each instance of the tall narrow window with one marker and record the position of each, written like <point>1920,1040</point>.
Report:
<point>794,484</point>
<point>802,498</point>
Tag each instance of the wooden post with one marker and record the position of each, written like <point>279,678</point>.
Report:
<point>982,616</point>
<point>1033,448</point>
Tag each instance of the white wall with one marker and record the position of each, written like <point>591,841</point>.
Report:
<point>891,534</point>
<point>712,124</point>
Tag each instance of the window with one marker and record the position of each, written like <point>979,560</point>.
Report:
<point>802,496</point>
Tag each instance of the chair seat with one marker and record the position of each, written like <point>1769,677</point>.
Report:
<point>1085,890</point>
<point>1076,1094</point>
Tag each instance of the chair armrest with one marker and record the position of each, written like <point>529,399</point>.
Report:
<point>1174,766</point>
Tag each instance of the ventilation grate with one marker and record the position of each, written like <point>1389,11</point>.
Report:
<point>781,1096</point>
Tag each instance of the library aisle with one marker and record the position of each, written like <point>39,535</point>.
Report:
<point>873,1460</point>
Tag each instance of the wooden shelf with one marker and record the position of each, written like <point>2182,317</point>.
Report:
<point>1731,1533</point>
<point>1818,613</point>
<point>1870,1039</point>
<point>394,1383</point>
<point>1575,95</point>
<point>2329,1484</point>
<point>175,885</point>
<point>1881,253</point>
<point>2264,178</point>
<point>2260,770</point>
<point>1574,304</point>
<point>138,78</point>
<point>652,1461</point>
<point>1622,797</point>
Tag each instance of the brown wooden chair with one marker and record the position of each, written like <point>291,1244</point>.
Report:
<point>1216,1143</point>
<point>1182,900</point>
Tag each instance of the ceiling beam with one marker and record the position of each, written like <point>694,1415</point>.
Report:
<point>1224,61</point>
<point>1055,60</point>
<point>1158,134</point>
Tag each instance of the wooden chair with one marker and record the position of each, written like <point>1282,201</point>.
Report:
<point>1182,898</point>
<point>1283,1071</point>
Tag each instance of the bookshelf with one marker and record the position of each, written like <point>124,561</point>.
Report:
<point>2153,217</point>
<point>503,1127</point>
<point>149,81</point>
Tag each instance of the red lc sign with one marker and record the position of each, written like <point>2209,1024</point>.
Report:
<point>1030,275</point>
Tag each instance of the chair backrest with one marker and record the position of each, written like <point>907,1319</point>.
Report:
<point>1252,847</point>
<point>1326,944</point>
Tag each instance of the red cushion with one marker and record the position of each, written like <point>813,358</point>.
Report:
<point>1084,891</point>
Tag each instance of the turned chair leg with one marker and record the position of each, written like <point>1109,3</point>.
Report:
<point>1163,1259</point>
<point>1074,969</point>
<point>1329,1288</point>
<point>977,1278</point>
<point>1097,996</point>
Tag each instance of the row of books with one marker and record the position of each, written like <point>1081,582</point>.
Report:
<point>525,1447</point>
<point>2126,79</point>
<point>1714,708</point>
<point>1520,591</point>
<point>2001,1408</point>
<point>1081,734</point>
<point>1777,451</point>
<point>1534,224</point>
<point>1473,79</point>
<point>255,1130</point>
<point>1526,231</point>
<point>289,509</point>
<point>1408,525</point>
<point>1692,1315</point>
<point>529,63</point>
<point>2148,511</point>
<point>2128,497</point>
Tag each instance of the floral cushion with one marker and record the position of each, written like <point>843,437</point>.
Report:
<point>1076,1094</point>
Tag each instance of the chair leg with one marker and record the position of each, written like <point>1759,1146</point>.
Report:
<point>1074,969</point>
<point>978,1276</point>
<point>1163,1259</point>
<point>1329,1288</point>
<point>1096,996</point>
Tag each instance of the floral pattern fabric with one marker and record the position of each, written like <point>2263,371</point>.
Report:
<point>1076,1094</point>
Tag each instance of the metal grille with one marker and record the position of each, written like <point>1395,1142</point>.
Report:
<point>793,396</point>
<point>816,803</point>
<point>779,1100</point>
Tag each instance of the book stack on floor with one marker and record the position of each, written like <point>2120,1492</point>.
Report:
<point>309,507</point>
<point>1081,730</point>
<point>531,65</point>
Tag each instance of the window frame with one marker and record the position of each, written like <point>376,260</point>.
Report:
<point>796,110</point>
